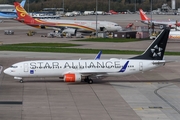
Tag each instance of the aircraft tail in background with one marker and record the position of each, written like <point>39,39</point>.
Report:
<point>143,15</point>
<point>22,4</point>
<point>22,14</point>
<point>24,17</point>
<point>113,12</point>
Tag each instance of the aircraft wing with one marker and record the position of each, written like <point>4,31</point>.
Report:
<point>99,74</point>
<point>94,74</point>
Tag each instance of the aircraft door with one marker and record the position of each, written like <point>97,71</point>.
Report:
<point>140,66</point>
<point>25,67</point>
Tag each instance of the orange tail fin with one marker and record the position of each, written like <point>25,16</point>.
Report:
<point>143,15</point>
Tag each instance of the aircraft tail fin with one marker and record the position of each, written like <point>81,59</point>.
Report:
<point>22,4</point>
<point>157,48</point>
<point>22,14</point>
<point>143,15</point>
<point>24,17</point>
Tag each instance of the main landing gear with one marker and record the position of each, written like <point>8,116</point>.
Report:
<point>21,81</point>
<point>88,80</point>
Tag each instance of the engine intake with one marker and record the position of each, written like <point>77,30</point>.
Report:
<point>70,30</point>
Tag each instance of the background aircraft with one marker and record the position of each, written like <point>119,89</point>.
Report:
<point>113,12</point>
<point>161,24</point>
<point>70,26</point>
<point>11,15</point>
<point>85,70</point>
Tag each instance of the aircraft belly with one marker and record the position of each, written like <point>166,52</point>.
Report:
<point>83,30</point>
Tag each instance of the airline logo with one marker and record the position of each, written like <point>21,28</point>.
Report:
<point>23,15</point>
<point>31,71</point>
<point>156,51</point>
<point>123,69</point>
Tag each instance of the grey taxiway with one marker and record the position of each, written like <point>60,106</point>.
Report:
<point>147,96</point>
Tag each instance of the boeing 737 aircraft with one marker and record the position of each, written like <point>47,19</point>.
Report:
<point>85,70</point>
<point>70,26</point>
<point>161,24</point>
<point>11,15</point>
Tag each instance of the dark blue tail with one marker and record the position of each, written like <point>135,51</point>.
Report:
<point>157,48</point>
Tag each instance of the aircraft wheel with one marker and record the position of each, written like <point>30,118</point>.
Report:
<point>90,81</point>
<point>85,80</point>
<point>21,81</point>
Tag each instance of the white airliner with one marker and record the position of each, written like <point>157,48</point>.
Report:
<point>85,70</point>
<point>161,24</point>
<point>70,26</point>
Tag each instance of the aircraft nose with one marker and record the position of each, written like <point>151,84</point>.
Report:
<point>7,71</point>
<point>119,29</point>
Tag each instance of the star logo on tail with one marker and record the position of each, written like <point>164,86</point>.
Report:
<point>156,51</point>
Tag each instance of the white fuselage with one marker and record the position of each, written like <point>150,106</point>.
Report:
<point>174,34</point>
<point>85,24</point>
<point>58,68</point>
<point>167,23</point>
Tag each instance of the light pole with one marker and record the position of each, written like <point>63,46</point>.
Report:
<point>96,19</point>
<point>135,7</point>
<point>63,6</point>
<point>151,19</point>
<point>28,6</point>
<point>109,4</point>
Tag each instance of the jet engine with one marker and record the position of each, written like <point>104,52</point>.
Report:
<point>70,30</point>
<point>103,29</point>
<point>70,77</point>
<point>43,27</point>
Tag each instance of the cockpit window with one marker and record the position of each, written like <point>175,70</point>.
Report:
<point>116,25</point>
<point>13,66</point>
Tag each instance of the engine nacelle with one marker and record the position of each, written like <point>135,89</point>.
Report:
<point>70,30</point>
<point>70,77</point>
<point>43,27</point>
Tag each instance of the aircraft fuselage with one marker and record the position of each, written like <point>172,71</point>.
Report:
<point>57,68</point>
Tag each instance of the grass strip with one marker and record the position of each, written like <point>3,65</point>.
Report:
<point>55,48</point>
<point>109,40</point>
<point>42,45</point>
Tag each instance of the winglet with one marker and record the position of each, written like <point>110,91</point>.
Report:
<point>98,56</point>
<point>124,67</point>
<point>143,15</point>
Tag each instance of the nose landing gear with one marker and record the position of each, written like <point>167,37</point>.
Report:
<point>21,81</point>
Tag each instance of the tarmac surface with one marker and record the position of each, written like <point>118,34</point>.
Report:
<point>145,96</point>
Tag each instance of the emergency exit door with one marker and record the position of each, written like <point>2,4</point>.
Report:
<point>140,66</point>
<point>25,67</point>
